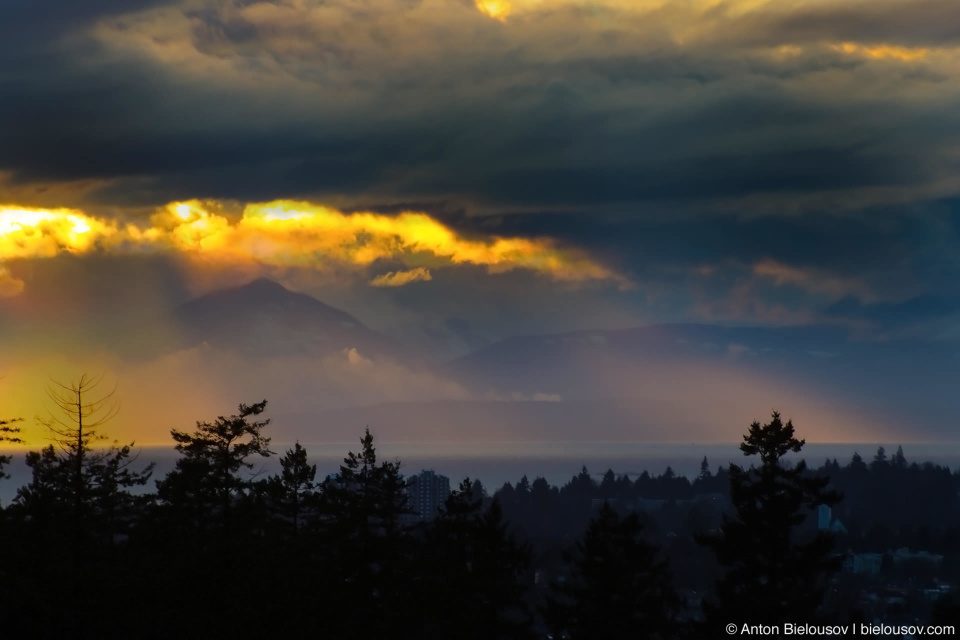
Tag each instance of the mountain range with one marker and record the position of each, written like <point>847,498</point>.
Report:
<point>327,374</point>
<point>265,319</point>
<point>659,379</point>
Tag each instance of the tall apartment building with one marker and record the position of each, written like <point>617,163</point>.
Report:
<point>426,493</point>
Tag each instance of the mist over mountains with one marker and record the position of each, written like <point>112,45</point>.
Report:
<point>264,319</point>
<point>327,375</point>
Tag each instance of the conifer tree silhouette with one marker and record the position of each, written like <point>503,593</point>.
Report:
<point>771,575</point>
<point>362,511</point>
<point>472,568</point>
<point>294,488</point>
<point>207,482</point>
<point>619,587</point>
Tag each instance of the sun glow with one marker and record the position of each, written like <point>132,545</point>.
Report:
<point>496,9</point>
<point>12,220</point>
<point>40,233</point>
<point>286,233</point>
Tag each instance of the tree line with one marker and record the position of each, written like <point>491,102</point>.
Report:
<point>217,552</point>
<point>889,502</point>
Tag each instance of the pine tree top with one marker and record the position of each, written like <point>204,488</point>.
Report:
<point>771,441</point>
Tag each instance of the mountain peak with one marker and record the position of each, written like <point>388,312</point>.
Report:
<point>261,296</point>
<point>262,291</point>
<point>264,317</point>
<point>258,288</point>
<point>263,284</point>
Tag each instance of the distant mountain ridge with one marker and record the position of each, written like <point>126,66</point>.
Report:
<point>264,318</point>
<point>579,363</point>
<point>669,340</point>
<point>660,381</point>
<point>675,342</point>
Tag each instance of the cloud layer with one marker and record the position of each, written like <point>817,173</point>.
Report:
<point>557,103</point>
<point>288,234</point>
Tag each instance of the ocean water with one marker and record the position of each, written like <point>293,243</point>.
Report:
<point>495,463</point>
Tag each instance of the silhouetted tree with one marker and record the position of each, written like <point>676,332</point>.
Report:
<point>644,484</point>
<point>580,486</point>
<point>899,461</point>
<point>704,470</point>
<point>362,511</point>
<point>294,488</point>
<point>377,489</point>
<point>47,494</point>
<point>608,484</point>
<point>470,570</point>
<point>619,587</point>
<point>74,426</point>
<point>8,433</point>
<point>207,478</point>
<point>523,488</point>
<point>113,478</point>
<point>80,487</point>
<point>74,507</point>
<point>856,463</point>
<point>771,576</point>
<point>479,492</point>
<point>284,512</point>
<point>576,498</point>
<point>206,536</point>
<point>879,459</point>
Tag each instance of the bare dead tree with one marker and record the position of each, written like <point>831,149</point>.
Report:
<point>74,421</point>
<point>8,433</point>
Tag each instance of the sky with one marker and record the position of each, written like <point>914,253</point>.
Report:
<point>456,172</point>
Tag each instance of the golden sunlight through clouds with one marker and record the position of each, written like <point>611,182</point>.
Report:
<point>883,51</point>
<point>496,9</point>
<point>37,233</point>
<point>290,234</point>
<point>400,278</point>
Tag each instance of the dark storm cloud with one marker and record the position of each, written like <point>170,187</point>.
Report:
<point>918,23</point>
<point>589,165</point>
<point>34,24</point>
<point>880,270</point>
<point>796,161</point>
<point>275,100</point>
<point>842,244</point>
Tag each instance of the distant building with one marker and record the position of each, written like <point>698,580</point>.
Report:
<point>426,493</point>
<point>906,557</point>
<point>823,517</point>
<point>825,521</point>
<point>863,563</point>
